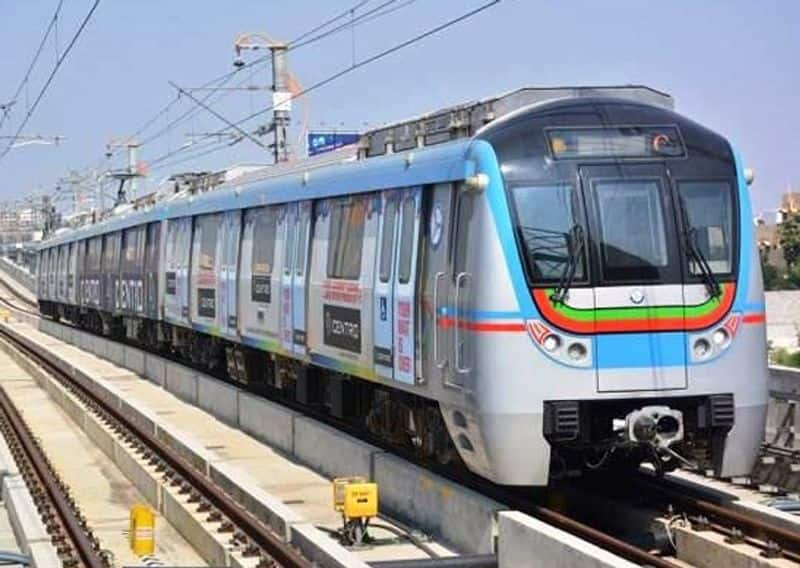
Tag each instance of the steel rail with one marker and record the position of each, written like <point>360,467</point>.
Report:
<point>759,529</point>
<point>85,547</point>
<point>600,538</point>
<point>281,552</point>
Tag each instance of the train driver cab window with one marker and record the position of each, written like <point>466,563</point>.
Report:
<point>632,229</point>
<point>709,208</point>
<point>346,238</point>
<point>550,231</point>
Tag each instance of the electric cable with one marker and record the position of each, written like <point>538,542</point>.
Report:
<point>39,50</point>
<point>52,75</point>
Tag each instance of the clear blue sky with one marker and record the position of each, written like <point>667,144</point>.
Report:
<point>730,64</point>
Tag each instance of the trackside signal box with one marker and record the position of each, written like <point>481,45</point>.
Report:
<point>355,498</point>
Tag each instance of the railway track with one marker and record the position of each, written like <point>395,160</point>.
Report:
<point>249,535</point>
<point>773,540</point>
<point>73,540</point>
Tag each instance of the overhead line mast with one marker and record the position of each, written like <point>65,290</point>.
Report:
<point>345,71</point>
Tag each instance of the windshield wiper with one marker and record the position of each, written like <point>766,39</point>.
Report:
<point>696,254</point>
<point>574,242</point>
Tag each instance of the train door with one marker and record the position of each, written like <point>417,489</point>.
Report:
<point>289,220</point>
<point>72,268</point>
<point>435,312</point>
<point>300,269</point>
<point>405,305</point>
<point>640,279</point>
<point>460,300</point>
<point>172,305</point>
<point>231,231</point>
<point>383,296</point>
<point>183,256</point>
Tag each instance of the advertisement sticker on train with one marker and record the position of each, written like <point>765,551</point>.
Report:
<point>172,283</point>
<point>206,302</point>
<point>342,328</point>
<point>261,288</point>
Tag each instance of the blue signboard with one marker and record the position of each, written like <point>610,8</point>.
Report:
<point>321,142</point>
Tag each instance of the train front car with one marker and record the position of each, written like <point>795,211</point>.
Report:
<point>624,233</point>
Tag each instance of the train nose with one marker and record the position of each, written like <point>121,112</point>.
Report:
<point>660,426</point>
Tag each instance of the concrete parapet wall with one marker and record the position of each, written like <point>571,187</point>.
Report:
<point>28,528</point>
<point>180,381</point>
<point>525,541</point>
<point>29,531</point>
<point>784,380</point>
<point>218,398</point>
<point>409,491</point>
<point>23,280</point>
<point>330,452</point>
<point>267,421</point>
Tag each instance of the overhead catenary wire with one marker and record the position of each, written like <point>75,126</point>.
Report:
<point>368,16</point>
<point>296,43</point>
<point>218,115</point>
<point>225,77</point>
<point>52,75</point>
<point>35,58</point>
<point>353,67</point>
<point>303,40</point>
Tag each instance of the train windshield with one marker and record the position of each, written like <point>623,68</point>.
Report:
<point>547,214</point>
<point>633,235</point>
<point>637,226</point>
<point>600,198</point>
<point>709,206</point>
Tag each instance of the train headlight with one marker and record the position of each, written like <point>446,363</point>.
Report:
<point>576,351</point>
<point>701,348</point>
<point>720,337</point>
<point>551,343</point>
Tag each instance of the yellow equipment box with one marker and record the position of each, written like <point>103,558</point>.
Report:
<point>142,532</point>
<point>355,498</point>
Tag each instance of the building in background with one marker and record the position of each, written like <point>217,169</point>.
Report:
<point>768,228</point>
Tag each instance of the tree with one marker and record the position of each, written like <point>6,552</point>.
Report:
<point>789,234</point>
<point>772,276</point>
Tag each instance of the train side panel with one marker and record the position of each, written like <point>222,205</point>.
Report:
<point>176,261</point>
<point>341,282</point>
<point>259,298</point>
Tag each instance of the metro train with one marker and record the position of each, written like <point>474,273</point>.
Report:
<point>540,283</point>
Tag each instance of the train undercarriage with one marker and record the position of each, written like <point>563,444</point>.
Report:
<point>623,433</point>
<point>398,419</point>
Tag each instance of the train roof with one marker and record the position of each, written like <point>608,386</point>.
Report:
<point>465,119</point>
<point>443,134</point>
<point>443,163</point>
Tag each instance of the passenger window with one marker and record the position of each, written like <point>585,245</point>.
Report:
<point>209,225</point>
<point>346,239</point>
<point>406,240</point>
<point>387,240</point>
<point>263,242</point>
